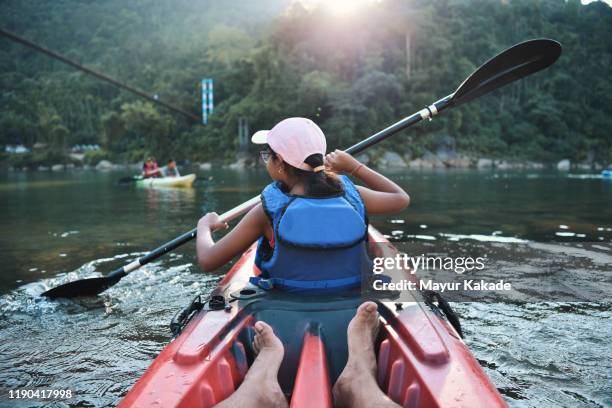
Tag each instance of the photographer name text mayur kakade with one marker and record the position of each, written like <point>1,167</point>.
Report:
<point>465,285</point>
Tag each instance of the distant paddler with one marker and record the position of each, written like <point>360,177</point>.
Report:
<point>150,169</point>
<point>153,176</point>
<point>170,169</point>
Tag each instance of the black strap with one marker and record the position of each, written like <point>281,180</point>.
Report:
<point>434,298</point>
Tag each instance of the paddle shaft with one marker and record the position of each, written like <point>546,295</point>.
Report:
<point>426,113</point>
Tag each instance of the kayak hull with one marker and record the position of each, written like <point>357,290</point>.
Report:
<point>421,359</point>
<point>163,182</point>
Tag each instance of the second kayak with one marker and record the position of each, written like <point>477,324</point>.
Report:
<point>182,181</point>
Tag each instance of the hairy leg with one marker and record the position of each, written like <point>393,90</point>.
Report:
<point>357,387</point>
<point>260,387</point>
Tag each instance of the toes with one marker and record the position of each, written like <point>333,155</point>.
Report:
<point>366,318</point>
<point>367,311</point>
<point>369,307</point>
<point>256,345</point>
<point>264,337</point>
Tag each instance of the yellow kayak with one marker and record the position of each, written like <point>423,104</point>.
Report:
<point>182,181</point>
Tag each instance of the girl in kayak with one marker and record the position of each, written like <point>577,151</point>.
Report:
<point>311,223</point>
<point>312,230</point>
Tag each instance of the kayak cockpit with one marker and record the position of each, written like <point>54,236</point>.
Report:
<point>421,359</point>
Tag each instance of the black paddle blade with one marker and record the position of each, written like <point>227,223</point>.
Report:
<point>516,62</point>
<point>83,287</point>
<point>127,180</point>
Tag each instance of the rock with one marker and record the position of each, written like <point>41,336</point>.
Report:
<point>584,166</point>
<point>57,167</point>
<point>446,155</point>
<point>484,163</point>
<point>599,166</point>
<point>104,165</point>
<point>501,165</point>
<point>563,165</point>
<point>391,159</point>
<point>433,160</point>
<point>205,166</point>
<point>239,164</point>
<point>534,165</point>
<point>43,168</point>
<point>462,162</point>
<point>506,165</point>
<point>420,164</point>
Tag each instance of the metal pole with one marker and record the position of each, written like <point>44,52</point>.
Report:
<point>96,74</point>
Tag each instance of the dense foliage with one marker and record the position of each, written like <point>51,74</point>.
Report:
<point>353,74</point>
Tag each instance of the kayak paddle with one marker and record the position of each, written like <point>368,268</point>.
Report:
<point>130,179</point>
<point>514,63</point>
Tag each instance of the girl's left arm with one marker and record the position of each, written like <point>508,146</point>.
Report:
<point>211,254</point>
<point>381,196</point>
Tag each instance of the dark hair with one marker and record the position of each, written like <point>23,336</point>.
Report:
<point>316,184</point>
<point>170,161</point>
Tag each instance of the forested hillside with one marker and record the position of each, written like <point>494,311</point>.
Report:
<point>353,74</point>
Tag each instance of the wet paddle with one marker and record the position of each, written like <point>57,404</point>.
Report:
<point>514,63</point>
<point>130,179</point>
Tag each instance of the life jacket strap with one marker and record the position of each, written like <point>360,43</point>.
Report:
<point>267,284</point>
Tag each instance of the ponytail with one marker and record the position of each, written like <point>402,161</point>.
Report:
<point>318,183</point>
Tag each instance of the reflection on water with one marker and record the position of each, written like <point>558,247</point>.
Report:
<point>169,199</point>
<point>57,227</point>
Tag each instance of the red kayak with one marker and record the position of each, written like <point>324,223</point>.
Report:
<point>422,361</point>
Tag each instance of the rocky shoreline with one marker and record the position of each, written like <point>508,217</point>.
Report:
<point>392,160</point>
<point>459,161</point>
<point>387,160</point>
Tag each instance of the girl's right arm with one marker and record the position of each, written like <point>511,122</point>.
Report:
<point>211,255</point>
<point>381,196</point>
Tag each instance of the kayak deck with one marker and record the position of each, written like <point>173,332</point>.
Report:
<point>182,181</point>
<point>421,359</point>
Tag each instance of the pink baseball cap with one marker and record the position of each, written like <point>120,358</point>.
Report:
<point>294,139</point>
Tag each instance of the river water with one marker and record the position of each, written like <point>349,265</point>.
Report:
<point>58,227</point>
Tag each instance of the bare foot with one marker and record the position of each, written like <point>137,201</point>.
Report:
<point>268,347</point>
<point>260,387</point>
<point>361,334</point>
<point>356,386</point>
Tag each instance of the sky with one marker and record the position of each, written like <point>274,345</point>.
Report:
<point>349,6</point>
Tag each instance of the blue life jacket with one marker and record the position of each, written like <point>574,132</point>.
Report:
<point>319,242</point>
